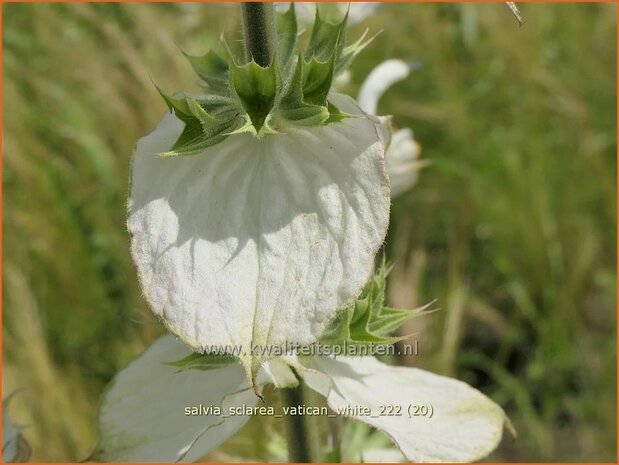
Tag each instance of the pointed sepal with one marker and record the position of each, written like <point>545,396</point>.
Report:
<point>368,320</point>
<point>212,68</point>
<point>246,98</point>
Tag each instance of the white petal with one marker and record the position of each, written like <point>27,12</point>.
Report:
<point>142,416</point>
<point>402,161</point>
<point>378,81</point>
<point>258,241</point>
<point>465,426</point>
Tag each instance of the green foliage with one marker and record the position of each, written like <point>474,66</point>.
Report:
<point>368,320</point>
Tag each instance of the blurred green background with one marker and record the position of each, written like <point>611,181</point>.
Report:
<point>511,229</point>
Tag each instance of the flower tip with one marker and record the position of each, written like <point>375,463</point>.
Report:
<point>509,426</point>
<point>252,366</point>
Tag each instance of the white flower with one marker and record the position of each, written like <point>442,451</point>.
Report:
<point>381,78</point>
<point>402,158</point>
<point>258,241</point>
<point>146,413</point>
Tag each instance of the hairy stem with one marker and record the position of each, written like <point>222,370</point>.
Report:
<point>301,430</point>
<point>259,31</point>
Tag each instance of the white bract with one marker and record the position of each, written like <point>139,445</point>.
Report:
<point>146,413</point>
<point>142,415</point>
<point>402,158</point>
<point>258,242</point>
<point>465,425</point>
<point>402,161</point>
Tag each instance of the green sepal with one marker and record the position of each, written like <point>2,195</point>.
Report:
<point>247,98</point>
<point>368,320</point>
<point>336,115</point>
<point>246,127</point>
<point>193,128</point>
<point>326,39</point>
<point>212,68</point>
<point>287,35</point>
<point>256,87</point>
<point>317,80</point>
<point>307,115</point>
<point>204,362</point>
<point>201,129</point>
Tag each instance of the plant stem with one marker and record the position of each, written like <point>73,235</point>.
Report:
<point>301,430</point>
<point>259,31</point>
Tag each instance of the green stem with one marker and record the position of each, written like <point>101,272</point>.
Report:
<point>259,31</point>
<point>301,430</point>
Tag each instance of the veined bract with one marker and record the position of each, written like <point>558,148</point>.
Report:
<point>256,210</point>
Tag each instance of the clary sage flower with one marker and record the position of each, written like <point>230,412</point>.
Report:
<point>256,211</point>
<point>402,157</point>
<point>257,208</point>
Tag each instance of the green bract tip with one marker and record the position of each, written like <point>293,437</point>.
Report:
<point>248,98</point>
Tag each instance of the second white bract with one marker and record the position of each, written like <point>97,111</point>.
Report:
<point>257,242</point>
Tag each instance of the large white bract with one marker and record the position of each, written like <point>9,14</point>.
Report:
<point>465,425</point>
<point>143,415</point>
<point>258,242</point>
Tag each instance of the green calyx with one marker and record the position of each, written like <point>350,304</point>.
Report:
<point>368,321</point>
<point>293,90</point>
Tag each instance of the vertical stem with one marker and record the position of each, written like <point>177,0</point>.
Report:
<point>259,31</point>
<point>301,430</point>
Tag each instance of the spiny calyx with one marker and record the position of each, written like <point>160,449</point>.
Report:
<point>293,90</point>
<point>368,321</point>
